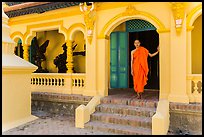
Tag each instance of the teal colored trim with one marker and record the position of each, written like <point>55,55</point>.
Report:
<point>19,41</point>
<point>139,30</point>
<point>138,25</point>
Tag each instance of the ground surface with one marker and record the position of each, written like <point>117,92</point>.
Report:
<point>48,124</point>
<point>51,125</point>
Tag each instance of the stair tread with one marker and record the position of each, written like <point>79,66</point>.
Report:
<point>128,101</point>
<point>126,106</point>
<point>127,117</point>
<point>134,130</point>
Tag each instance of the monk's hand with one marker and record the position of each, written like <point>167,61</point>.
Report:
<point>158,48</point>
<point>132,72</point>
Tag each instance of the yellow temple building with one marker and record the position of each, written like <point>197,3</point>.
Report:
<point>99,37</point>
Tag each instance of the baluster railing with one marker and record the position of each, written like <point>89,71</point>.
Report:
<point>58,83</point>
<point>78,82</point>
<point>196,89</point>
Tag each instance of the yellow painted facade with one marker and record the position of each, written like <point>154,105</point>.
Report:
<point>178,45</point>
<point>96,64</point>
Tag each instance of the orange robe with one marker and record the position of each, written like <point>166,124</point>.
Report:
<point>140,69</point>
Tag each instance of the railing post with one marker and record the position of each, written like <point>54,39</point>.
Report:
<point>189,89</point>
<point>197,96</point>
<point>68,83</point>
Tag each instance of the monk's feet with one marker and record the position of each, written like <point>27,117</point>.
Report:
<point>139,96</point>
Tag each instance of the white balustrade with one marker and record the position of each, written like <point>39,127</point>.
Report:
<point>77,82</point>
<point>196,86</point>
<point>58,82</point>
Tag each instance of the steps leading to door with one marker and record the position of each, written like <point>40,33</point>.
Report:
<point>123,116</point>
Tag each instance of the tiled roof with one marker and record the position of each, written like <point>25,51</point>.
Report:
<point>38,8</point>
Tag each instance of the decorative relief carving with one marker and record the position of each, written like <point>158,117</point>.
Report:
<point>130,10</point>
<point>178,13</point>
<point>89,19</point>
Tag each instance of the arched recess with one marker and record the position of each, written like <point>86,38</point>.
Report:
<point>196,46</point>
<point>73,32</point>
<point>16,36</point>
<point>74,29</point>
<point>191,18</point>
<point>193,15</point>
<point>127,15</point>
<point>32,29</point>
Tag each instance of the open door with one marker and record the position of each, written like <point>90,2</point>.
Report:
<point>149,40</point>
<point>119,60</point>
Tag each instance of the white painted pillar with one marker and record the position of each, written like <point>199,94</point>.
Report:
<point>102,66</point>
<point>189,67</point>
<point>164,65</point>
<point>178,92</point>
<point>91,57</point>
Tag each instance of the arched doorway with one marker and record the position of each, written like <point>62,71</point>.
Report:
<point>121,45</point>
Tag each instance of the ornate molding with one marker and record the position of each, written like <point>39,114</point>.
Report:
<point>56,24</point>
<point>189,28</point>
<point>163,30</point>
<point>104,37</point>
<point>89,19</point>
<point>178,13</point>
<point>194,13</point>
<point>73,28</point>
<point>15,35</point>
<point>130,11</point>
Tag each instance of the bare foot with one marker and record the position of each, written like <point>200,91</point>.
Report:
<point>138,96</point>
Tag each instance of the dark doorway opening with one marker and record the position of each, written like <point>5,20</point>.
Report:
<point>149,40</point>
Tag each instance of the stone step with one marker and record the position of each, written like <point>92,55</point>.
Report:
<point>117,129</point>
<point>128,120</point>
<point>130,102</point>
<point>126,110</point>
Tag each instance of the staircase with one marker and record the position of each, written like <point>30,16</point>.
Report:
<point>128,116</point>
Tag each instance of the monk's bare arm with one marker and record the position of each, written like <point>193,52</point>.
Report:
<point>155,53</point>
<point>132,61</point>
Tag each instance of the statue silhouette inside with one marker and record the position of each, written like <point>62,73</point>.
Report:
<point>60,61</point>
<point>39,56</point>
<point>21,50</point>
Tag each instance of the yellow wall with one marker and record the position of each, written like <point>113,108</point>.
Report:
<point>79,61</point>
<point>197,46</point>
<point>54,48</point>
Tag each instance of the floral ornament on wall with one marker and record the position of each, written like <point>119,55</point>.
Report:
<point>178,13</point>
<point>89,19</point>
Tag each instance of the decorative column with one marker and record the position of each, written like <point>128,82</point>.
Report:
<point>26,52</point>
<point>189,65</point>
<point>102,66</point>
<point>69,56</point>
<point>164,63</point>
<point>91,50</point>
<point>178,91</point>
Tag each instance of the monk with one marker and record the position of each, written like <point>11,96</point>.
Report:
<point>139,67</point>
